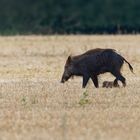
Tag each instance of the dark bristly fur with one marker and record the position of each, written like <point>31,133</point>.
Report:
<point>93,63</point>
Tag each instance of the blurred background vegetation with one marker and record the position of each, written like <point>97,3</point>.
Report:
<point>69,16</point>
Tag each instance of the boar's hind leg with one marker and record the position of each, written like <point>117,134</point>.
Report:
<point>122,79</point>
<point>115,83</point>
<point>85,80</point>
<point>95,81</point>
<point>119,77</point>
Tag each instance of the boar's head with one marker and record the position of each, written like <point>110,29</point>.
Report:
<point>68,70</point>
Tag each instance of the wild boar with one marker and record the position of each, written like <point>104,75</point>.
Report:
<point>93,63</point>
<point>109,84</point>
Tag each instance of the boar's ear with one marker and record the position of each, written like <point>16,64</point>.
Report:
<point>69,59</point>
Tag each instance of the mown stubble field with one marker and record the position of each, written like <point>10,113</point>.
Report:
<point>34,105</point>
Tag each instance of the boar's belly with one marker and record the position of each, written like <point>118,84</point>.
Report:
<point>101,70</point>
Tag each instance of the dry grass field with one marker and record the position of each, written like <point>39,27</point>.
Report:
<point>34,105</point>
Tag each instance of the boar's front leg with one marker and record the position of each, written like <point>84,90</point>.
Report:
<point>85,80</point>
<point>95,80</point>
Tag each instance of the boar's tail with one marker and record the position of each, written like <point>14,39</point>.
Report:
<point>130,67</point>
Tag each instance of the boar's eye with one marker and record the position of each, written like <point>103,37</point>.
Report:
<point>67,66</point>
<point>70,66</point>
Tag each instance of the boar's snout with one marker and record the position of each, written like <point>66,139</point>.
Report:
<point>62,80</point>
<point>65,78</point>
